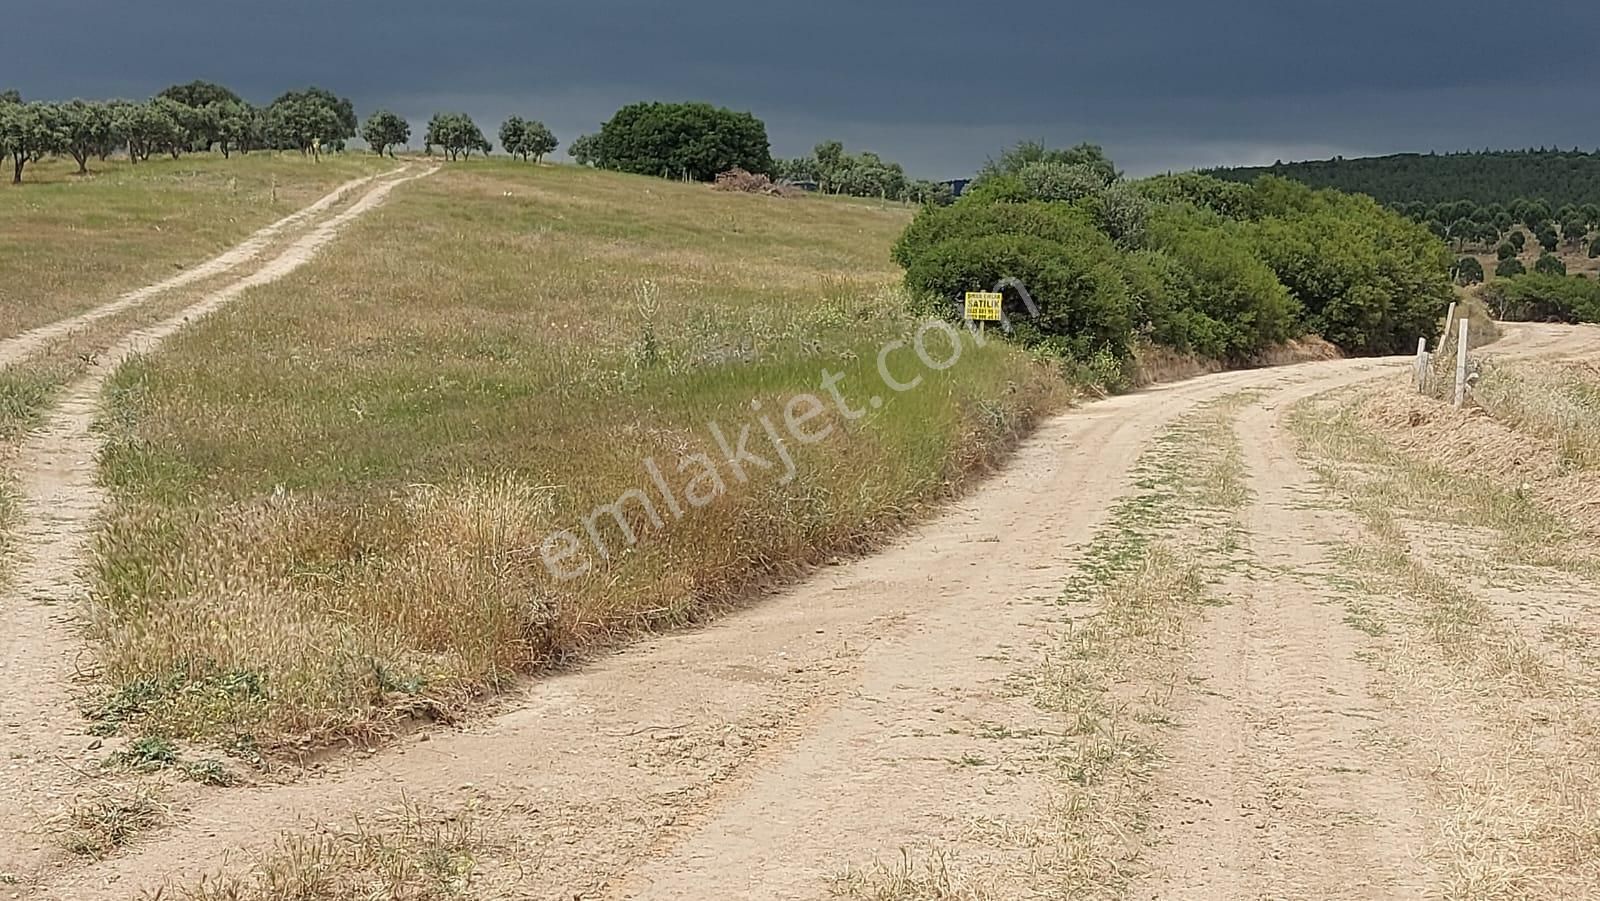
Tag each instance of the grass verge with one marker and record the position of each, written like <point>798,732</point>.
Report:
<point>1509,733</point>
<point>332,501</point>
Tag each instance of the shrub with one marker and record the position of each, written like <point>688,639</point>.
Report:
<point>1544,297</point>
<point>978,214</point>
<point>1467,271</point>
<point>1505,251</point>
<point>1062,181</point>
<point>1083,300</point>
<point>1371,281</point>
<point>1222,293</point>
<point>1225,198</point>
<point>1510,267</point>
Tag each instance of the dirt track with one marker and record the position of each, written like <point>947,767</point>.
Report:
<point>42,736</point>
<point>828,725</point>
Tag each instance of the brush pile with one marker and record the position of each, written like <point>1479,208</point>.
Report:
<point>739,180</point>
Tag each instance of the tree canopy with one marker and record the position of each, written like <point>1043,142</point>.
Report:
<point>525,138</point>
<point>682,140</point>
<point>200,93</point>
<point>456,134</point>
<point>385,130</point>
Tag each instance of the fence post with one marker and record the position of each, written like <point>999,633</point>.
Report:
<point>1461,366</point>
<point>1449,321</point>
<point>1422,364</point>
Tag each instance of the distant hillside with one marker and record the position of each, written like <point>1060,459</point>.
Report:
<point>1557,177</point>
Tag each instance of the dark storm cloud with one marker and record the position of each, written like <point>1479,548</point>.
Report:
<point>939,84</point>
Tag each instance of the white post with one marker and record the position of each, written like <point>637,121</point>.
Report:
<point>1449,324</point>
<point>1461,366</point>
<point>1422,364</point>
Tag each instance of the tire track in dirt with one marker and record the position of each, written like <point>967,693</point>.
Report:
<point>19,347</point>
<point>42,729</point>
<point>1286,779</point>
<point>761,755</point>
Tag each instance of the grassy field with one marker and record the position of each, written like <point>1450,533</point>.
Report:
<point>69,242</point>
<point>380,486</point>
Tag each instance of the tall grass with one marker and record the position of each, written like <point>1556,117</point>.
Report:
<point>330,500</point>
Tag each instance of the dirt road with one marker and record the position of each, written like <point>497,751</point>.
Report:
<point>872,711</point>
<point>43,743</point>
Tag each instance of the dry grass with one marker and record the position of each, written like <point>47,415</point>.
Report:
<point>108,817</point>
<point>68,243</point>
<point>1154,364</point>
<point>1482,329</point>
<point>407,855</point>
<point>1556,404</point>
<point>1510,736</point>
<point>915,876</point>
<point>330,498</point>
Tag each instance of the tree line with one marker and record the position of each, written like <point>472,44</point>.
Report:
<point>691,141</point>
<point>1202,265</point>
<point>201,116</point>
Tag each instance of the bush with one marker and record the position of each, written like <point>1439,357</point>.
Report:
<point>1594,249</point>
<point>1467,271</point>
<point>1083,300</point>
<point>1225,198</point>
<point>1226,299</point>
<point>1062,181</point>
<point>977,214</point>
<point>1505,251</point>
<point>1510,267</point>
<point>1544,297</point>
<point>1187,262</point>
<point>1550,265</point>
<point>1371,280</point>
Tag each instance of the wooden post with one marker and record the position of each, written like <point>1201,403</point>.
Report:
<point>1422,364</point>
<point>1461,366</point>
<point>1449,322</point>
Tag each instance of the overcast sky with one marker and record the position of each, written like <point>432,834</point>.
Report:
<point>936,84</point>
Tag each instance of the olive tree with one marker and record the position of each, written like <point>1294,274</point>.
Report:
<point>385,130</point>
<point>525,138</point>
<point>28,131</point>
<point>88,128</point>
<point>454,133</point>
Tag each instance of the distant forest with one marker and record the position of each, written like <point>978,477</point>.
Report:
<point>1557,177</point>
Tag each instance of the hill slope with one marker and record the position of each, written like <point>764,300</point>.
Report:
<point>1557,177</point>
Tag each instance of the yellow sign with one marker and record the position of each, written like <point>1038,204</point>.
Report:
<point>983,307</point>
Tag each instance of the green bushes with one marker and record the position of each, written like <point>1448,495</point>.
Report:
<point>1226,302</point>
<point>1213,268</point>
<point>1544,297</point>
<point>1051,248</point>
